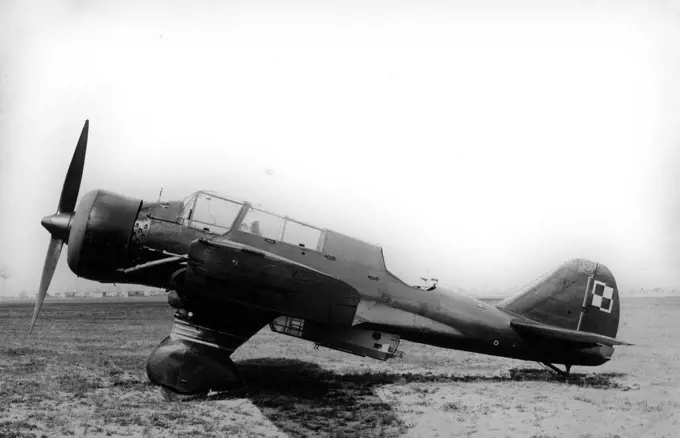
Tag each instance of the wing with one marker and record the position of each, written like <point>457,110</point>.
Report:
<point>531,329</point>
<point>232,271</point>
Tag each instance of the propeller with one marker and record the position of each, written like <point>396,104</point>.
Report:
<point>59,224</point>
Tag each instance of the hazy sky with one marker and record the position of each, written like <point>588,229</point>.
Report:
<point>481,142</point>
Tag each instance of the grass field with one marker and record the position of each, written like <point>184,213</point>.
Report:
<point>82,373</point>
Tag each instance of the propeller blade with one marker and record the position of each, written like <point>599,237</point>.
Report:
<point>69,193</point>
<point>53,252</point>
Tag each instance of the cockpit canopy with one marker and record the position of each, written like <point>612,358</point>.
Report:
<point>218,215</point>
<point>215,214</point>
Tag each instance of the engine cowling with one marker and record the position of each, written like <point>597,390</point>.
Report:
<point>100,234</point>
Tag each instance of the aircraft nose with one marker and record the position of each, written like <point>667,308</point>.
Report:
<point>58,225</point>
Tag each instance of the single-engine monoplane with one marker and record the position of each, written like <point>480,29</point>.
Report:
<point>231,269</point>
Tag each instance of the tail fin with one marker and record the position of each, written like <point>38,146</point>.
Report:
<point>578,295</point>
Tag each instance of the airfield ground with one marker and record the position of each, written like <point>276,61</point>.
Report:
<point>82,373</point>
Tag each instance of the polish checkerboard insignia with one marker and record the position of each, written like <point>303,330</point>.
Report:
<point>603,297</point>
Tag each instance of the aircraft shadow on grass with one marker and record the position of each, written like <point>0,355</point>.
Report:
<point>301,398</point>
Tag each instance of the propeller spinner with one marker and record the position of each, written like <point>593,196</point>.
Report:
<point>59,224</point>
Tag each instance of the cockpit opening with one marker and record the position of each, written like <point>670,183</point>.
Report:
<point>430,284</point>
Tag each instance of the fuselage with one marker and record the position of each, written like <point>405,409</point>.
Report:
<point>437,317</point>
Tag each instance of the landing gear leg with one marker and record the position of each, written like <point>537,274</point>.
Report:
<point>195,358</point>
<point>187,370</point>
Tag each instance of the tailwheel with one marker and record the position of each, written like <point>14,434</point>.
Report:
<point>170,395</point>
<point>550,367</point>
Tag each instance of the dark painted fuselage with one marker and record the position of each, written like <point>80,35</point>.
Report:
<point>438,317</point>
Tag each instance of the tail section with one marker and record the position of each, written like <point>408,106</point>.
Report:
<point>578,295</point>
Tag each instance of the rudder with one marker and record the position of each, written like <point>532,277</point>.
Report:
<point>578,295</point>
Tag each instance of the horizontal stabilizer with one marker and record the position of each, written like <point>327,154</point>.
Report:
<point>545,331</point>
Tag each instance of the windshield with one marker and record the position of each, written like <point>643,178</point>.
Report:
<point>212,213</point>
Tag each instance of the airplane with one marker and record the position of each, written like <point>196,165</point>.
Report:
<point>231,269</point>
